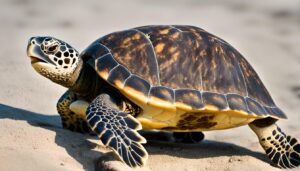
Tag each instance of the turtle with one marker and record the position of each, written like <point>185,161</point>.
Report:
<point>173,78</point>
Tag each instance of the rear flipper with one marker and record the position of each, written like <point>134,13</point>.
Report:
<point>282,150</point>
<point>117,129</point>
<point>188,137</point>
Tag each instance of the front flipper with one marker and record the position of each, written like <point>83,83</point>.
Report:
<point>70,120</point>
<point>117,129</point>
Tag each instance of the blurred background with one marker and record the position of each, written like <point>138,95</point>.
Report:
<point>266,32</point>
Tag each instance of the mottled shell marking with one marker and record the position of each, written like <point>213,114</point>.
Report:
<point>180,67</point>
<point>130,48</point>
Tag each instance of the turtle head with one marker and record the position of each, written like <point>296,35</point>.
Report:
<point>54,59</point>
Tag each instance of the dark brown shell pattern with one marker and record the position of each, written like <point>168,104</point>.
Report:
<point>183,64</point>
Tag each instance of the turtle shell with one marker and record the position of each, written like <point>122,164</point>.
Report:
<point>180,68</point>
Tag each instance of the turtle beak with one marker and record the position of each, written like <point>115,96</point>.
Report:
<point>34,51</point>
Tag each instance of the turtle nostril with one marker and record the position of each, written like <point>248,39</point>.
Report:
<point>30,40</point>
<point>35,40</point>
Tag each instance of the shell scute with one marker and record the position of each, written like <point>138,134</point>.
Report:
<point>118,75</point>
<point>105,64</point>
<point>137,88</point>
<point>254,107</point>
<point>133,49</point>
<point>236,102</point>
<point>188,99</point>
<point>181,66</point>
<point>214,101</point>
<point>275,111</point>
<point>95,50</point>
<point>161,97</point>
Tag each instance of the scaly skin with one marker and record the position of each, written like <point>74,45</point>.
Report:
<point>71,120</point>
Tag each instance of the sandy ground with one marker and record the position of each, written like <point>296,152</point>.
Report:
<point>31,138</point>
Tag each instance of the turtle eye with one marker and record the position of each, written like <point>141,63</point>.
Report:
<point>53,48</point>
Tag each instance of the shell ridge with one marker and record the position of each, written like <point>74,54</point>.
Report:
<point>152,47</point>
<point>239,66</point>
<point>200,75</point>
<point>247,106</point>
<point>105,47</point>
<point>264,108</point>
<point>127,79</point>
<point>201,79</point>
<point>201,95</point>
<point>204,36</point>
<point>172,26</point>
<point>148,95</point>
<point>112,58</point>
<point>103,55</point>
<point>173,90</point>
<point>113,69</point>
<point>109,52</point>
<point>225,95</point>
<point>260,103</point>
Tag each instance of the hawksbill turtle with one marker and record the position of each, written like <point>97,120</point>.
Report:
<point>163,77</point>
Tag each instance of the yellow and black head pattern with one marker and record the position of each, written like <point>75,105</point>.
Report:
<point>53,59</point>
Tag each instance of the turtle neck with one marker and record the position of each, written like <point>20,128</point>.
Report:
<point>89,84</point>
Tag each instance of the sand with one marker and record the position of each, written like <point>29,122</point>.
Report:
<point>267,33</point>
